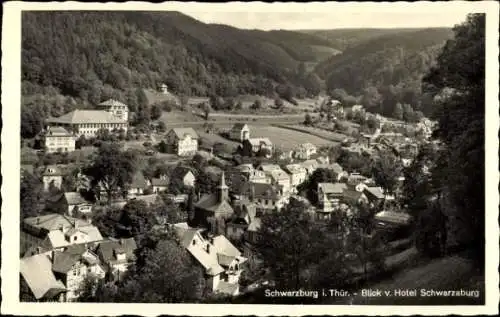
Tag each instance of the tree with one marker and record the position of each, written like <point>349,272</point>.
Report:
<point>398,111</point>
<point>30,195</point>
<point>289,243</point>
<point>257,104</point>
<point>310,186</point>
<point>308,119</point>
<point>162,127</point>
<point>461,68</point>
<point>112,168</point>
<point>156,112</point>
<point>137,219</point>
<point>206,110</point>
<point>385,170</point>
<point>151,282</point>
<point>278,103</point>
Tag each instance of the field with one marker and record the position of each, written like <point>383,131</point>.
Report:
<point>321,133</point>
<point>285,138</point>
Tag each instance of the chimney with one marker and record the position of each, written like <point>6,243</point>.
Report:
<point>37,220</point>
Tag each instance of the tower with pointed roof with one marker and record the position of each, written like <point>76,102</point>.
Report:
<point>223,189</point>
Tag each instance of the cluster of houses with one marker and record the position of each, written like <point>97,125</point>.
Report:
<point>60,250</point>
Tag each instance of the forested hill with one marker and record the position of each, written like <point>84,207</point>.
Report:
<point>386,69</point>
<point>88,54</point>
<point>343,39</point>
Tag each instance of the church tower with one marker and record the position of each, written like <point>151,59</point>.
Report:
<point>223,189</point>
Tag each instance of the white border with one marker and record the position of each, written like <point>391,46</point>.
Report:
<point>11,65</point>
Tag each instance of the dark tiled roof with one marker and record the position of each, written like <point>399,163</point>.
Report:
<point>107,249</point>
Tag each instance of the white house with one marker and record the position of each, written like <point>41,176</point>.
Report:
<point>54,231</point>
<point>220,259</point>
<point>58,139</point>
<point>183,141</point>
<point>277,176</point>
<point>305,151</point>
<point>298,175</point>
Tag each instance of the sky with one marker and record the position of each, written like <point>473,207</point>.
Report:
<point>328,20</point>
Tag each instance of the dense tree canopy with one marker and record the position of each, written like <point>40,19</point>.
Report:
<point>112,169</point>
<point>460,113</point>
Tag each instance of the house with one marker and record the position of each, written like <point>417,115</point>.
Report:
<point>259,144</point>
<point>76,203</point>
<point>277,176</point>
<point>252,174</point>
<point>355,179</point>
<point>116,108</point>
<point>375,195</point>
<point>305,151</point>
<point>244,214</point>
<point>117,256</point>
<point>43,234</point>
<point>310,166</point>
<point>36,273</point>
<point>357,108</point>
<point>336,169</point>
<point>298,175</point>
<point>239,132</point>
<point>138,184</point>
<point>58,139</point>
<point>73,265</point>
<point>182,141</point>
<point>52,177</point>
<point>222,261</point>
<point>214,207</point>
<point>267,197</point>
<point>160,184</point>
<point>183,176</point>
<point>164,89</point>
<point>329,197</point>
<point>352,197</point>
<point>88,122</point>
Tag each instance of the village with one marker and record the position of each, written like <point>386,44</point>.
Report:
<point>211,195</point>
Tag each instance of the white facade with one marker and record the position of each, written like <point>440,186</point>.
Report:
<point>305,151</point>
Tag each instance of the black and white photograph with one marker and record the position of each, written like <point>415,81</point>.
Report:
<point>264,154</point>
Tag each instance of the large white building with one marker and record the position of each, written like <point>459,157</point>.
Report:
<point>112,115</point>
<point>88,122</point>
<point>58,139</point>
<point>183,141</point>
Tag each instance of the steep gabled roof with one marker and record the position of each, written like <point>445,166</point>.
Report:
<point>107,248</point>
<point>37,272</point>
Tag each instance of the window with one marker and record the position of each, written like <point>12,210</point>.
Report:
<point>74,238</point>
<point>194,242</point>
